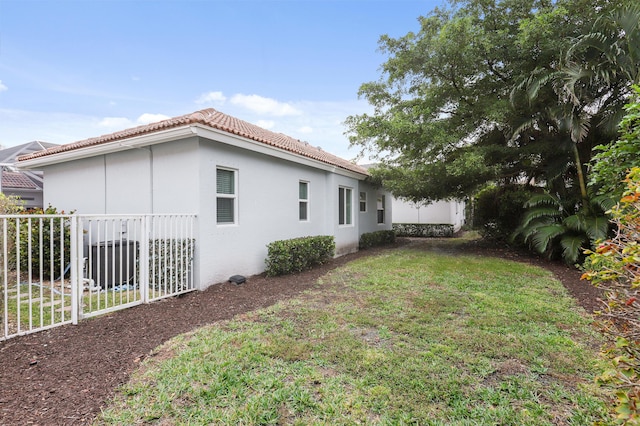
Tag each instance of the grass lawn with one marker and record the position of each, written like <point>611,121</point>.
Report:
<point>405,337</point>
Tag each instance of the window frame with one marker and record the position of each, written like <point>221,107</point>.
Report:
<point>232,196</point>
<point>304,201</point>
<point>362,202</point>
<point>381,202</point>
<point>345,206</point>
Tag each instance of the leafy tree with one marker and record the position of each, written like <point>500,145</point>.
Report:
<point>591,85</point>
<point>444,119</point>
<point>611,163</point>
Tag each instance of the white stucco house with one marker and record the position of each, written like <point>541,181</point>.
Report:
<point>248,186</point>
<point>444,212</point>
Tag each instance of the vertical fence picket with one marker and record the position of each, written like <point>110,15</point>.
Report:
<point>59,269</point>
<point>74,276</point>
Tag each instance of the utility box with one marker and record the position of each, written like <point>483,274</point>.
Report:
<point>113,263</point>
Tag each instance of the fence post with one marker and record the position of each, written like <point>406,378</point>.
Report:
<point>144,259</point>
<point>76,259</point>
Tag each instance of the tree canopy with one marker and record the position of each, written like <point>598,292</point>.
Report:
<point>483,93</point>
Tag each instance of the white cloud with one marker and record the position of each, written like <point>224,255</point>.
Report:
<point>3,87</point>
<point>262,105</point>
<point>115,122</point>
<point>305,129</point>
<point>217,98</point>
<point>147,118</point>
<point>266,124</point>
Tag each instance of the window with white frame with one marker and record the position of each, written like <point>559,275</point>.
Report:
<point>303,200</point>
<point>380,204</point>
<point>345,216</point>
<point>226,196</point>
<point>363,202</point>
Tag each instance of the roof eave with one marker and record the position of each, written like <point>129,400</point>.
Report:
<point>273,151</point>
<point>176,133</point>
<point>108,147</point>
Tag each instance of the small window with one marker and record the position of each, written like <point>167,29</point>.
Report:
<point>363,202</point>
<point>380,204</point>
<point>303,201</point>
<point>226,199</point>
<point>344,206</point>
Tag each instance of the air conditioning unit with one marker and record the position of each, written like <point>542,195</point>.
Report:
<point>113,263</point>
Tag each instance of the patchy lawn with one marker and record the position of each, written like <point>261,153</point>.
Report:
<point>407,336</point>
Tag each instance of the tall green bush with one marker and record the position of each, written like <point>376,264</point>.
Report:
<point>37,239</point>
<point>9,205</point>
<point>169,265</point>
<point>612,162</point>
<point>298,254</point>
<point>615,267</point>
<point>498,210</point>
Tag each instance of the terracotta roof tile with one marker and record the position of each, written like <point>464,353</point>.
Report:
<point>217,120</point>
<point>17,180</point>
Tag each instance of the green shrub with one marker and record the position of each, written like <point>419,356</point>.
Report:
<point>423,229</point>
<point>298,254</point>
<point>378,238</point>
<point>168,265</point>
<point>498,210</point>
<point>615,267</point>
<point>38,239</point>
<point>11,204</point>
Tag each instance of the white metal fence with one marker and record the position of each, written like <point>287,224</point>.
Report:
<point>58,269</point>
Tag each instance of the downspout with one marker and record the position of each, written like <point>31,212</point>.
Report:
<point>151,177</point>
<point>104,168</point>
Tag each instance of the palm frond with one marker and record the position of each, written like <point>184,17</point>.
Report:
<point>603,202</point>
<point>539,200</point>
<point>543,236</point>
<point>575,222</point>
<point>541,215</point>
<point>597,227</point>
<point>572,247</point>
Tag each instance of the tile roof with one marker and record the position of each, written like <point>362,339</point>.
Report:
<point>17,180</point>
<point>217,120</point>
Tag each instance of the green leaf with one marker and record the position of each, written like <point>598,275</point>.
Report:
<point>572,247</point>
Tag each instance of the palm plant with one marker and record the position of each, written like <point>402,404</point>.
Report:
<point>560,228</point>
<point>591,86</point>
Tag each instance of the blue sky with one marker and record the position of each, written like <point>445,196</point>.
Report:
<point>71,70</point>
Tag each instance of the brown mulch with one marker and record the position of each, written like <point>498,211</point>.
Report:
<point>64,376</point>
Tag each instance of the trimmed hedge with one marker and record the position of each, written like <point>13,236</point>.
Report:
<point>423,229</point>
<point>298,254</point>
<point>378,238</point>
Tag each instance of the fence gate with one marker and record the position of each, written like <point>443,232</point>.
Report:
<point>58,269</point>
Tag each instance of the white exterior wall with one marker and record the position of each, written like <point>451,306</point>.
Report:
<point>267,200</point>
<point>155,179</point>
<point>369,218</point>
<point>439,212</point>
<point>76,185</point>
<point>180,177</point>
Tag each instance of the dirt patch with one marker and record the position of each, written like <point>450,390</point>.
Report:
<point>64,376</point>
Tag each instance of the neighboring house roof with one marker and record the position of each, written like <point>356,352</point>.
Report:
<point>11,154</point>
<point>17,180</point>
<point>217,120</point>
<point>23,179</point>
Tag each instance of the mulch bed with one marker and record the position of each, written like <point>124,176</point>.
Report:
<point>64,376</point>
